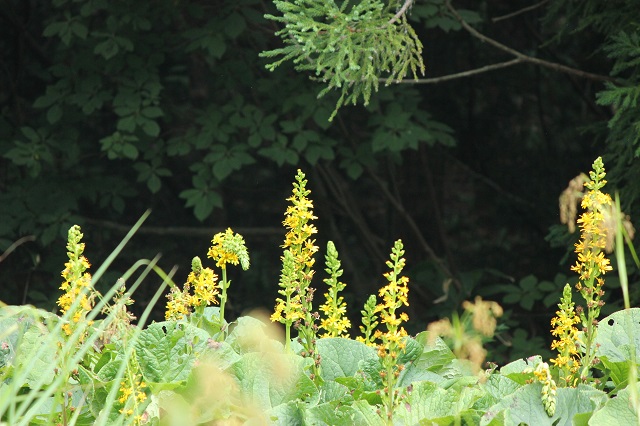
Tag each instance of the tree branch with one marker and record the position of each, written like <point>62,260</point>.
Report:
<point>446,271</point>
<point>185,231</point>
<point>15,245</point>
<point>541,62</point>
<point>462,74</point>
<point>519,12</point>
<point>402,11</point>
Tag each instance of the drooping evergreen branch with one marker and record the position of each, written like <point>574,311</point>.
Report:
<point>347,47</point>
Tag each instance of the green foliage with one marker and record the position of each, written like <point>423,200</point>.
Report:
<point>107,371</point>
<point>349,47</point>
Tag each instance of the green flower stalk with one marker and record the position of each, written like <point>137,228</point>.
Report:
<point>369,321</point>
<point>592,263</point>
<point>79,295</point>
<point>227,247</point>
<point>335,323</point>
<point>392,342</point>
<point>297,272</point>
<point>566,339</point>
<point>289,310</point>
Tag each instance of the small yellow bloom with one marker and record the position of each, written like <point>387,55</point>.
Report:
<point>228,247</point>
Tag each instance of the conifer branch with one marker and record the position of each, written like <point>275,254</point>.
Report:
<point>541,62</point>
<point>407,4</point>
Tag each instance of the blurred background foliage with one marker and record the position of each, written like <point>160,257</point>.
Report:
<point>113,107</point>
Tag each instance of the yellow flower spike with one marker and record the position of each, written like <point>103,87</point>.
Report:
<point>567,340</point>
<point>591,264</point>
<point>79,295</point>
<point>296,306</point>
<point>394,295</point>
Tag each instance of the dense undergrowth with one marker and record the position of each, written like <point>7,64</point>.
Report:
<point>95,363</point>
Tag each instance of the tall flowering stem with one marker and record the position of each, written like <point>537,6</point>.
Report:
<point>392,341</point>
<point>335,322</point>
<point>227,248</point>
<point>75,304</point>
<point>79,295</point>
<point>297,272</point>
<point>592,263</point>
<point>566,339</point>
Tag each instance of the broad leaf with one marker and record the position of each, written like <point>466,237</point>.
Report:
<point>167,350</point>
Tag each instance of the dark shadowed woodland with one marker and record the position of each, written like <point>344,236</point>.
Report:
<point>112,108</point>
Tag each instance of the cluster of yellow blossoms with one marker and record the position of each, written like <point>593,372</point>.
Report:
<point>79,295</point>
<point>566,339</point>
<point>201,288</point>
<point>198,291</point>
<point>132,394</point>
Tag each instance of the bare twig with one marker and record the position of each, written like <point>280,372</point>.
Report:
<point>462,74</point>
<point>547,64</point>
<point>15,245</point>
<point>397,203</point>
<point>519,12</point>
<point>185,231</point>
<point>402,11</point>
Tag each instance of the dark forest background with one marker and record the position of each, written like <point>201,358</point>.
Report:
<point>109,108</point>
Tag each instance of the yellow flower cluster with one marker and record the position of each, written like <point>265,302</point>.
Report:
<point>484,315</point>
<point>78,297</point>
<point>228,247</point>
<point>567,340</point>
<point>465,333</point>
<point>203,282</point>
<point>549,389</point>
<point>132,394</point>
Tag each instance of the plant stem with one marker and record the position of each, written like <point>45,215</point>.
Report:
<point>223,298</point>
